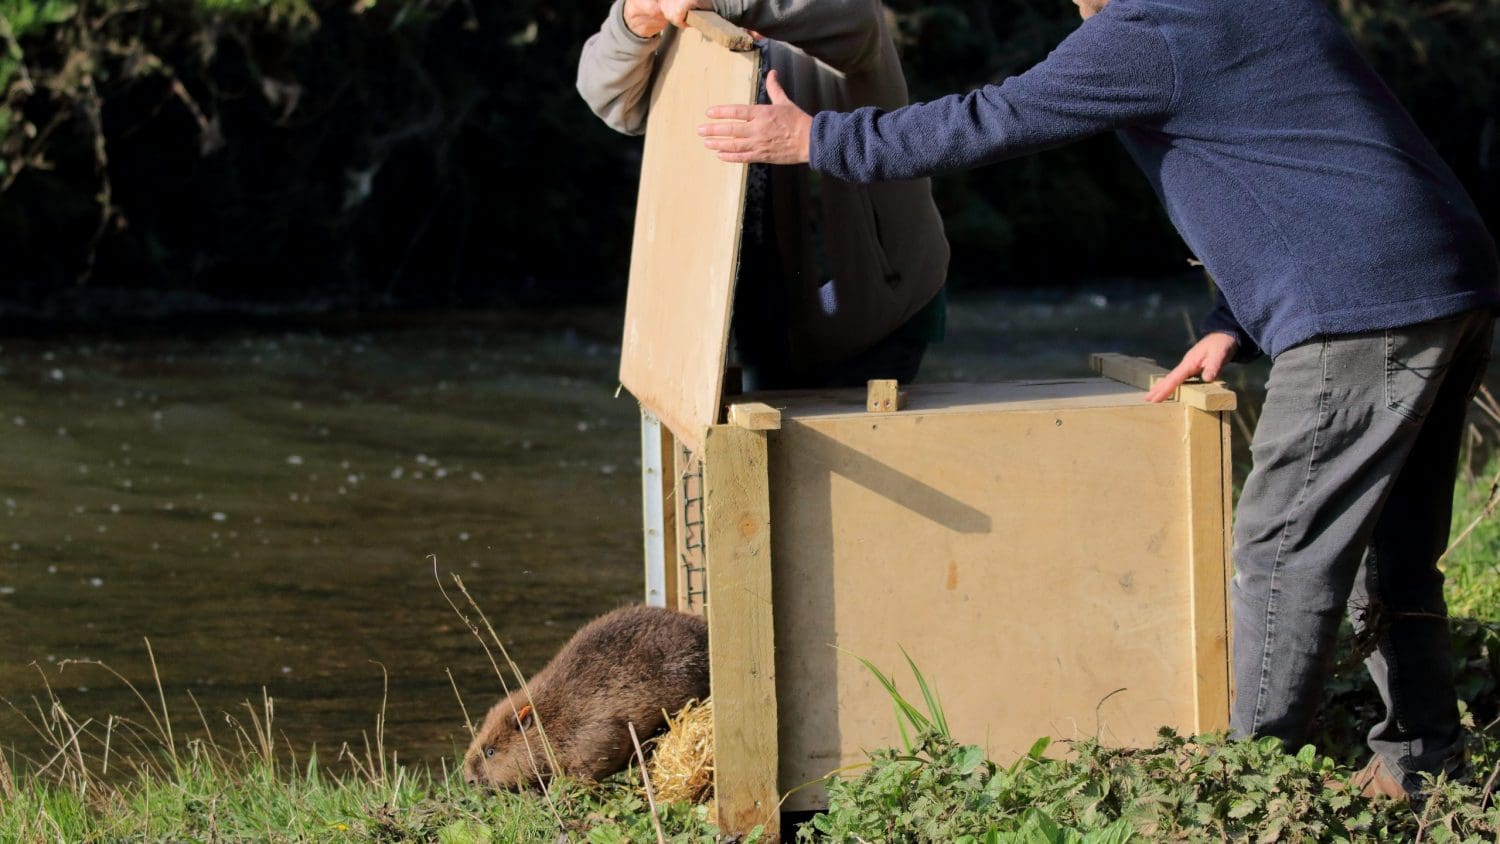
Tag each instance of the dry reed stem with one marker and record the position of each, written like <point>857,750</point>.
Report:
<point>212,743</point>
<point>7,782</point>
<point>536,716</point>
<point>640,759</point>
<point>515,671</point>
<point>263,743</point>
<point>1487,403</point>
<point>109,734</point>
<point>49,725</point>
<point>161,694</point>
<point>163,726</point>
<point>1490,504</point>
<point>468,724</point>
<point>373,771</point>
<point>682,761</point>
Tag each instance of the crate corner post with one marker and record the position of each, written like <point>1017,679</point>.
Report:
<point>1209,509</point>
<point>740,638</point>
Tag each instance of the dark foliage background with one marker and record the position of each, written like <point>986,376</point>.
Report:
<point>183,153</point>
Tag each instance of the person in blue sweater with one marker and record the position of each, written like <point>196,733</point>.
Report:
<point>1342,246</point>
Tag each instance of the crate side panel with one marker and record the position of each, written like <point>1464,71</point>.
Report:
<point>1031,563</point>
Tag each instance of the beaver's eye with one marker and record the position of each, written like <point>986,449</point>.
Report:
<point>488,752</point>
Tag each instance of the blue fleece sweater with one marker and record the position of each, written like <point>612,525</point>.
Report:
<point>1286,164</point>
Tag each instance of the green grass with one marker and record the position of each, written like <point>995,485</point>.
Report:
<point>1472,565</point>
<point>126,780</point>
<point>138,780</point>
<point>245,800</point>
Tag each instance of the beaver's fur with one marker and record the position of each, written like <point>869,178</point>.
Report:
<point>624,667</point>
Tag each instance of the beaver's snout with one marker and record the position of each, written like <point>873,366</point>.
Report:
<point>472,771</point>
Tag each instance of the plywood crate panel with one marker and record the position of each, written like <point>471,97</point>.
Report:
<point>1030,545</point>
<point>687,234</point>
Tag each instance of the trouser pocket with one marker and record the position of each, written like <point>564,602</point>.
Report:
<point>1417,358</point>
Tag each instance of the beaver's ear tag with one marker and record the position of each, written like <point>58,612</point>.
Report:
<point>523,717</point>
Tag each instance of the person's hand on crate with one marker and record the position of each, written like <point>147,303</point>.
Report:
<point>676,11</point>
<point>645,17</point>
<point>778,133</point>
<point>1205,358</point>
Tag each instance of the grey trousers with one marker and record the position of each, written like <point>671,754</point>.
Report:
<point>1348,505</point>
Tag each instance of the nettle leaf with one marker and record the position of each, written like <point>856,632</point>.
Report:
<point>1272,833</point>
<point>1038,828</point>
<point>969,759</point>
<point>1243,808</point>
<point>607,835</point>
<point>1118,832</point>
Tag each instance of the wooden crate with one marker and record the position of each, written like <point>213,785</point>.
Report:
<point>1051,553</point>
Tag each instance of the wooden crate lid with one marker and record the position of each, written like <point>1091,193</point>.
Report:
<point>687,232</point>
<point>1122,382</point>
<point>991,397</point>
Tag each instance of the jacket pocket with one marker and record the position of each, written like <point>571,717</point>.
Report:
<point>858,246</point>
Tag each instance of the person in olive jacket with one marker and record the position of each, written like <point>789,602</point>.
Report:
<point>839,283</point>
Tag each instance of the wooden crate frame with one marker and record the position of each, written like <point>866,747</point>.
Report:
<point>737,493</point>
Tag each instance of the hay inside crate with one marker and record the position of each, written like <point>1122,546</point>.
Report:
<point>681,766</point>
<point>1035,545</point>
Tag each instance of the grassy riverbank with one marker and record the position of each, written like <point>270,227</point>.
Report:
<point>133,779</point>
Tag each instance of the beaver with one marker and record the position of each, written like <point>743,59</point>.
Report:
<point>625,667</point>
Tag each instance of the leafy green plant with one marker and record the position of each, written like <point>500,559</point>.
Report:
<point>1194,789</point>
<point>25,17</point>
<point>1204,789</point>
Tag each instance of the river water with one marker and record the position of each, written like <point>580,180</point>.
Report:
<point>273,508</point>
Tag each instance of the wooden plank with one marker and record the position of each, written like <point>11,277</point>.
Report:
<point>721,31</point>
<point>755,416</point>
<point>1032,562</point>
<point>1144,373</point>
<point>883,395</point>
<point>740,630</point>
<point>959,397</point>
<point>687,239</point>
<point>1208,531</point>
<point>1213,397</point>
<point>1137,372</point>
<point>1226,439</point>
